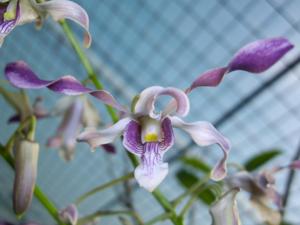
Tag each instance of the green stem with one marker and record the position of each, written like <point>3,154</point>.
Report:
<point>191,190</point>
<point>167,207</point>
<point>158,218</point>
<point>87,65</point>
<point>22,125</point>
<point>93,77</point>
<point>31,133</point>
<point>102,187</point>
<point>44,200</point>
<point>190,202</point>
<point>100,213</point>
<point>49,206</point>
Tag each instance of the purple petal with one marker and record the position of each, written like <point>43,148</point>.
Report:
<point>145,104</point>
<point>258,56</point>
<point>295,165</point>
<point>96,138</point>
<point>64,9</point>
<point>255,57</point>
<point>69,214</point>
<point>26,170</point>
<point>276,198</point>
<point>55,142</point>
<point>204,134</point>
<point>132,138</point>
<point>168,135</point>
<point>152,170</point>
<point>247,182</point>
<point>109,148</point>
<point>210,78</point>
<point>225,211</point>
<point>14,118</point>
<point>21,76</point>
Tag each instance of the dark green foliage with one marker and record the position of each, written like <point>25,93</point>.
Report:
<point>260,159</point>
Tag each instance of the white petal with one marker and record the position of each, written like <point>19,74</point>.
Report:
<point>62,105</point>
<point>90,117</point>
<point>145,104</point>
<point>96,138</point>
<point>65,9</point>
<point>225,211</point>
<point>28,13</point>
<point>159,173</point>
<point>204,134</point>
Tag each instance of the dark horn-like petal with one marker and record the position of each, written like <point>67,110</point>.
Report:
<point>20,75</point>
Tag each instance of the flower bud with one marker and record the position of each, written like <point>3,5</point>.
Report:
<point>26,162</point>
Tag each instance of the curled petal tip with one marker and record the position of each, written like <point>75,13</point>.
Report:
<point>65,9</point>
<point>87,41</point>
<point>204,134</point>
<point>255,57</point>
<point>145,103</point>
<point>258,56</point>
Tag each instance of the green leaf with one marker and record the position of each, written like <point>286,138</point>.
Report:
<point>187,179</point>
<point>197,164</point>
<point>285,223</point>
<point>260,159</point>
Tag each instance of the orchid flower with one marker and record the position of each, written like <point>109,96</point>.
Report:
<point>18,12</point>
<point>225,211</point>
<point>262,190</point>
<point>147,133</point>
<point>77,112</point>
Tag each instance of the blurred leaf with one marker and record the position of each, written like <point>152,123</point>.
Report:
<point>197,164</point>
<point>261,159</point>
<point>285,223</point>
<point>188,179</point>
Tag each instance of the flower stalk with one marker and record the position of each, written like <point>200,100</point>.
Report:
<point>103,187</point>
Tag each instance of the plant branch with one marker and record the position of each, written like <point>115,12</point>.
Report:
<point>158,218</point>
<point>191,190</point>
<point>101,213</point>
<point>103,187</point>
